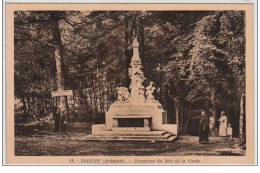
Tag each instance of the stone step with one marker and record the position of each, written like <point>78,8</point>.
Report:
<point>170,139</point>
<point>128,138</point>
<point>110,133</point>
<point>131,129</point>
<point>139,137</point>
<point>166,135</point>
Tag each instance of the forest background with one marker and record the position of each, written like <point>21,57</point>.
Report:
<point>195,58</point>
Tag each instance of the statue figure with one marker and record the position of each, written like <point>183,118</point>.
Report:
<point>150,92</point>
<point>119,94</point>
<point>126,94</point>
<point>135,43</point>
<point>122,94</point>
<point>141,94</point>
<point>141,91</point>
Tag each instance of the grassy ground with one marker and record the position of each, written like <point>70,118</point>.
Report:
<point>39,143</point>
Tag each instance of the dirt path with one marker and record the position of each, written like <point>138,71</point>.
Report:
<point>69,145</point>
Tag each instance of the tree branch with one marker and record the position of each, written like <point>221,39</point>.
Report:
<point>70,22</point>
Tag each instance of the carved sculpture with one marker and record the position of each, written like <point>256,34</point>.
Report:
<point>119,94</point>
<point>122,94</point>
<point>136,75</point>
<point>150,92</point>
<point>126,95</point>
<point>138,94</point>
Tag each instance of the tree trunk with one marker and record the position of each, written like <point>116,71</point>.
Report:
<point>188,119</point>
<point>62,106</point>
<point>142,44</point>
<point>176,105</point>
<point>241,119</point>
<point>94,98</point>
<point>133,27</point>
<point>107,100</point>
<point>128,51</point>
<point>181,113</point>
<point>90,93</point>
<point>127,54</point>
<point>24,106</point>
<point>214,130</point>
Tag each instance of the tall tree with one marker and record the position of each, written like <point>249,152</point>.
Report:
<point>62,115</point>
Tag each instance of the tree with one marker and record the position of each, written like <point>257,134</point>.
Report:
<point>61,118</point>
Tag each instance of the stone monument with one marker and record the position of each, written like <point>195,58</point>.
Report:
<point>136,115</point>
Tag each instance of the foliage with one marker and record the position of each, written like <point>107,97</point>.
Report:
<point>195,58</point>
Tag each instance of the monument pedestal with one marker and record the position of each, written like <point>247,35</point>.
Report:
<point>146,115</point>
<point>135,122</point>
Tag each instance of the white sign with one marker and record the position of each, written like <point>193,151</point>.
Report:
<point>62,93</point>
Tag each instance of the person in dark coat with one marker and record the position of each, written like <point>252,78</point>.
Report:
<point>204,128</point>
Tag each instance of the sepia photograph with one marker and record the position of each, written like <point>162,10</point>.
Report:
<point>130,84</point>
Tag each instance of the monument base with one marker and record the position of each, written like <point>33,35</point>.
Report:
<point>146,121</point>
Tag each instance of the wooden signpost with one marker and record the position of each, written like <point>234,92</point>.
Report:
<point>62,93</point>
<point>68,93</point>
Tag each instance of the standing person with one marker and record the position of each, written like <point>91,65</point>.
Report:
<point>229,132</point>
<point>223,125</point>
<point>204,129</point>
